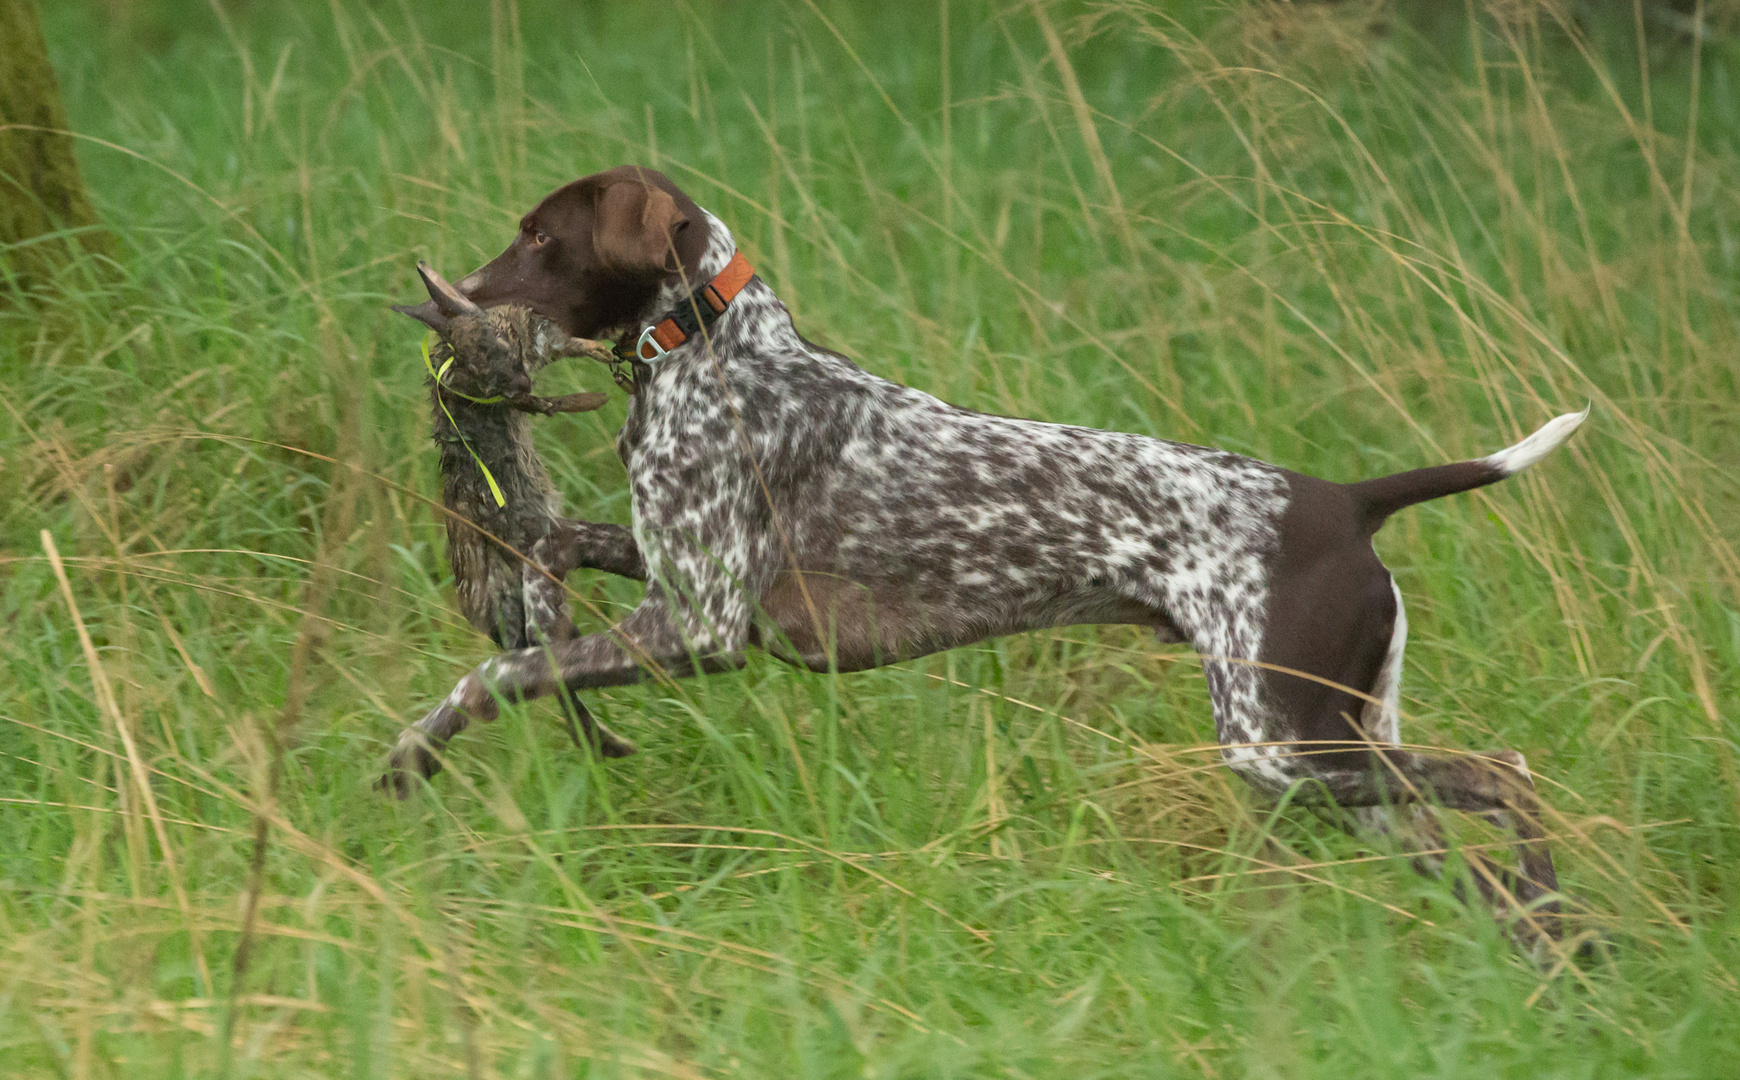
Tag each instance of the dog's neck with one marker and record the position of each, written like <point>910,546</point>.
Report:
<point>721,245</point>
<point>756,304</point>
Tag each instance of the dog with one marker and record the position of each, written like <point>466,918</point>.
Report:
<point>785,499</point>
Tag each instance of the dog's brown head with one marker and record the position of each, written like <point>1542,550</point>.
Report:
<point>591,256</point>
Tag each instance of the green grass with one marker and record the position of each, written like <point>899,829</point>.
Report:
<point>1340,238</point>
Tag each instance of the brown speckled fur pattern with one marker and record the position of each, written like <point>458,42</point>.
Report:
<point>785,498</point>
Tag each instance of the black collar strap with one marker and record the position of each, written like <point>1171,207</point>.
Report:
<point>701,310</point>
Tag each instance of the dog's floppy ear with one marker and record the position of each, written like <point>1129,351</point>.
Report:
<point>633,228</point>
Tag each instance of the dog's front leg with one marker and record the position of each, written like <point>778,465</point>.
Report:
<point>572,545</point>
<point>592,545</point>
<point>542,575</point>
<point>648,640</point>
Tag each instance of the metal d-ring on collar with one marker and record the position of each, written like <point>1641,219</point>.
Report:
<point>646,339</point>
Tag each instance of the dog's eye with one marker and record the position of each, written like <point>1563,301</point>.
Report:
<point>539,238</point>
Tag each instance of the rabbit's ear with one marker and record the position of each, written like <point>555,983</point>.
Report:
<point>445,302</point>
<point>427,314</point>
<point>633,228</point>
<point>451,301</point>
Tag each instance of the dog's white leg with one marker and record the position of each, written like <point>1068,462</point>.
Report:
<point>1382,721</point>
<point>1415,827</point>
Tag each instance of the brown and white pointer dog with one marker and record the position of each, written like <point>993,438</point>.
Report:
<point>784,498</point>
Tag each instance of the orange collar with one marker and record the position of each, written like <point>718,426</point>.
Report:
<point>699,311</point>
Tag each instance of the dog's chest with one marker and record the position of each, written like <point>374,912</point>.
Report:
<point>682,446</point>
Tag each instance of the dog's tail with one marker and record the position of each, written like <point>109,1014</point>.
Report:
<point>1378,499</point>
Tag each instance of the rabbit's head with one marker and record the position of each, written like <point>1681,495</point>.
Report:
<point>495,351</point>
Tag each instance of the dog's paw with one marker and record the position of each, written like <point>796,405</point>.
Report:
<point>612,745</point>
<point>396,782</point>
<point>412,758</point>
<point>591,730</point>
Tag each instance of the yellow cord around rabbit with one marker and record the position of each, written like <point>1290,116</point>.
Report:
<point>488,477</point>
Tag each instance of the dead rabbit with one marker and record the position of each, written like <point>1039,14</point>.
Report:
<point>509,547</point>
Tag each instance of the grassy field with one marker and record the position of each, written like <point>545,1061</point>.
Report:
<point>1348,238</point>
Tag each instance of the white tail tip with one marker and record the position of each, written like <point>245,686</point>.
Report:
<point>1514,459</point>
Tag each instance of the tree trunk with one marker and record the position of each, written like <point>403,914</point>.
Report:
<point>41,190</point>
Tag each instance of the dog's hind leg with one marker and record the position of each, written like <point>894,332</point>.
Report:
<point>1335,688</point>
<point>1416,828</point>
<point>1487,784</point>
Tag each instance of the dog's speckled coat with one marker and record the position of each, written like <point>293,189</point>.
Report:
<point>786,498</point>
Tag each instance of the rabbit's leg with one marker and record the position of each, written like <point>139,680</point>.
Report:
<point>548,621</point>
